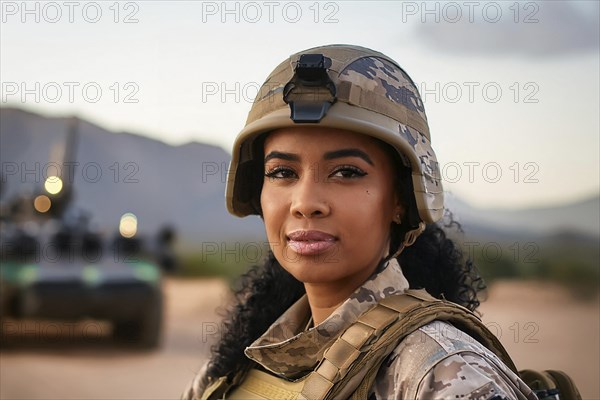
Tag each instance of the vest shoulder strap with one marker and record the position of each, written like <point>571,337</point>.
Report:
<point>354,358</point>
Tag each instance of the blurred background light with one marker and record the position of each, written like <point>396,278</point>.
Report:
<point>128,225</point>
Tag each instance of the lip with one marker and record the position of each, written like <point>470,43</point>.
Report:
<point>308,243</point>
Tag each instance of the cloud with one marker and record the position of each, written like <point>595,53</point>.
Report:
<point>530,29</point>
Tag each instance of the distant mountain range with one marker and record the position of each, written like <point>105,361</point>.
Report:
<point>183,186</point>
<point>581,217</point>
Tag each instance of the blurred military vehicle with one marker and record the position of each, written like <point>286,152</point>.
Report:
<point>55,265</point>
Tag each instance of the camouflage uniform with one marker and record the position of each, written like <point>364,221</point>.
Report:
<point>437,361</point>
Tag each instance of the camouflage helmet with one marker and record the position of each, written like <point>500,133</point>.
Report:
<point>344,87</point>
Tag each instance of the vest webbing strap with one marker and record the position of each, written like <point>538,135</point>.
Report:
<point>365,344</point>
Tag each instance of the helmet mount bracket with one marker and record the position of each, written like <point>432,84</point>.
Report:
<point>311,91</point>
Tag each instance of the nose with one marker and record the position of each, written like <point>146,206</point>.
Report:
<point>309,200</point>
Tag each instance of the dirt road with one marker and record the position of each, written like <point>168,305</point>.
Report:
<point>538,324</point>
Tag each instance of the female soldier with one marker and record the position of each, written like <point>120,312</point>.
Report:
<point>336,159</point>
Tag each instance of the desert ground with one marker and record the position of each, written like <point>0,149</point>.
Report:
<point>540,325</point>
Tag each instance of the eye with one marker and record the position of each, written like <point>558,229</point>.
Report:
<point>348,172</point>
<point>280,173</point>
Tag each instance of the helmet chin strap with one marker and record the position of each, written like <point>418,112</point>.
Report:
<point>409,240</point>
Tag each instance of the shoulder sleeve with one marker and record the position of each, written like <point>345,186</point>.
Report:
<point>439,361</point>
<point>468,376</point>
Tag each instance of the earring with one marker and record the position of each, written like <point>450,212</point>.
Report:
<point>398,220</point>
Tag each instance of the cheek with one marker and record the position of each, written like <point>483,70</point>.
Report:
<point>372,213</point>
<point>273,211</point>
<point>374,202</point>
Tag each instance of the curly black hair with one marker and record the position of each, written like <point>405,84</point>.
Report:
<point>434,262</point>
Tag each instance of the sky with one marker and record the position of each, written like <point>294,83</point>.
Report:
<point>511,89</point>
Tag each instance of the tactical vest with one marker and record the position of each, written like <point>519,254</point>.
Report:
<point>349,366</point>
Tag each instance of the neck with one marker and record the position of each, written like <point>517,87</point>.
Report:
<point>323,300</point>
<point>325,297</point>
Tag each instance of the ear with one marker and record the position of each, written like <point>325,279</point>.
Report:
<point>399,210</point>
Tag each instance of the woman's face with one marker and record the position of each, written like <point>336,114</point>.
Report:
<point>328,202</point>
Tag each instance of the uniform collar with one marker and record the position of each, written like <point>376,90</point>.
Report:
<point>287,350</point>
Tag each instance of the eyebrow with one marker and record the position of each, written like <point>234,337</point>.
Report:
<point>330,155</point>
<point>281,155</point>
